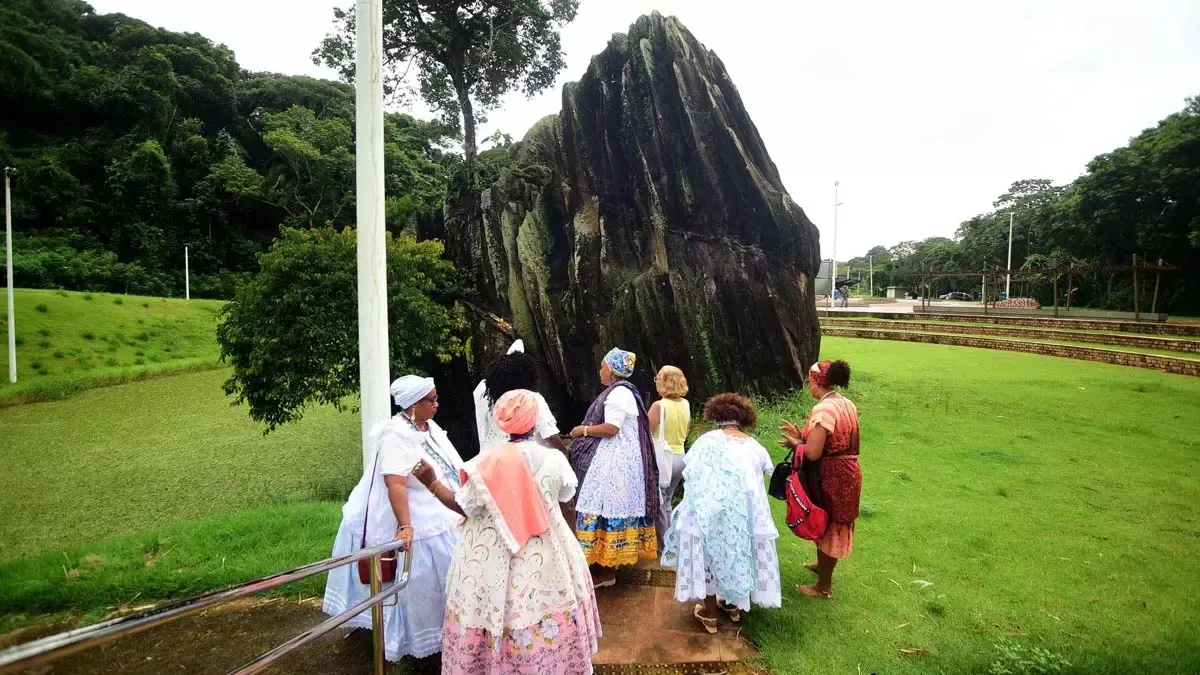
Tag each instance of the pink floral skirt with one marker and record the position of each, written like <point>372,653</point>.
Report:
<point>838,540</point>
<point>560,644</point>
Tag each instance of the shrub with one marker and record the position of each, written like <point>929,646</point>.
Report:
<point>291,331</point>
<point>1011,658</point>
<point>43,308</point>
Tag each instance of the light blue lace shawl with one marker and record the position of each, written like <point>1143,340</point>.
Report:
<point>715,509</point>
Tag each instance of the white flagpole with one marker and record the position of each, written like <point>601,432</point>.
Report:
<point>12,317</point>
<point>187,276</point>
<point>374,360</point>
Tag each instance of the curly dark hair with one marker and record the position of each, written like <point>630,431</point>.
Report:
<point>507,373</point>
<point>839,374</point>
<point>731,408</point>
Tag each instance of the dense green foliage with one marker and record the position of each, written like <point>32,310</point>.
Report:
<point>133,142</point>
<point>468,53</point>
<point>1029,537</point>
<point>1142,199</point>
<point>291,332</point>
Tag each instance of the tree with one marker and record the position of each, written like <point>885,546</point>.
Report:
<point>468,53</point>
<point>291,332</point>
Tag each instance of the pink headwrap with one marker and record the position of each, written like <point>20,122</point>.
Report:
<point>819,374</point>
<point>505,479</point>
<point>516,412</point>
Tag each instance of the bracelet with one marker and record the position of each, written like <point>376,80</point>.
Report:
<point>403,528</point>
<point>585,432</point>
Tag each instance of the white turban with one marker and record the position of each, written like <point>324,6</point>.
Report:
<point>517,347</point>
<point>407,391</point>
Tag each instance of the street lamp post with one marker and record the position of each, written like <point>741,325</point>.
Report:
<point>833,265</point>
<point>871,263</point>
<point>12,317</point>
<point>1008,270</point>
<point>374,361</point>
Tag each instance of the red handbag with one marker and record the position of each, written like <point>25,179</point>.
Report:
<point>387,561</point>
<point>804,518</point>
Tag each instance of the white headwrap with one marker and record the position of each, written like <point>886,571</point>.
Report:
<point>407,391</point>
<point>517,347</point>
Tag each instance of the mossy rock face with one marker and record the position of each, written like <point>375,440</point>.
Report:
<point>647,214</point>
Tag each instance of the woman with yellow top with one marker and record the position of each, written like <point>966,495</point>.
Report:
<point>670,421</point>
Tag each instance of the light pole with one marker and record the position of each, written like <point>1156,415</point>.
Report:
<point>12,316</point>
<point>187,276</point>
<point>871,262</point>
<point>1008,270</point>
<point>833,265</point>
<point>373,359</point>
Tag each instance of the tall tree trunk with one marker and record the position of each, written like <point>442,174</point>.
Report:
<point>468,115</point>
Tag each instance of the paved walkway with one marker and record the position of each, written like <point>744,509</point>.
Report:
<point>644,625</point>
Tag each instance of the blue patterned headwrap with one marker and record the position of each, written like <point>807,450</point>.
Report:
<point>620,361</point>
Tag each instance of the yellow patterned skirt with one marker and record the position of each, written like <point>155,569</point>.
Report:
<point>613,542</point>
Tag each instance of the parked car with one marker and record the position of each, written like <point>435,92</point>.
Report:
<point>956,295</point>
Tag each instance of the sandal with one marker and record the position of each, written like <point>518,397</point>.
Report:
<point>732,611</point>
<point>710,624</point>
<point>604,583</point>
<point>812,591</point>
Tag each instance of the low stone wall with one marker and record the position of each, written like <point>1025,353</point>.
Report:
<point>1174,345</point>
<point>1164,329</point>
<point>1180,366</point>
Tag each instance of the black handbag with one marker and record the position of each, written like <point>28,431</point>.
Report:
<point>778,485</point>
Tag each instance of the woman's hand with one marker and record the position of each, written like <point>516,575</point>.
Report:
<point>791,435</point>
<point>577,431</point>
<point>405,534</point>
<point>424,473</point>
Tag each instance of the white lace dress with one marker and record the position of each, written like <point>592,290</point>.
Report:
<point>722,535</point>
<point>530,612</point>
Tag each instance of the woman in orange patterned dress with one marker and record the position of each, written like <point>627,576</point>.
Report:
<point>830,438</point>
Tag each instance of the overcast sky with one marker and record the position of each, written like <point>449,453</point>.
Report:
<point>924,110</point>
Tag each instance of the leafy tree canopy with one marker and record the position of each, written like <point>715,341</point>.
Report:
<point>467,53</point>
<point>291,333</point>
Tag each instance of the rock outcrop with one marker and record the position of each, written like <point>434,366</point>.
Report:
<point>647,214</point>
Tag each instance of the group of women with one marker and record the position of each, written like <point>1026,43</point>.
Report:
<point>508,548</point>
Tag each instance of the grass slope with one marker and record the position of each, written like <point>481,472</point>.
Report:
<point>1049,502</point>
<point>67,342</point>
<point>130,458</point>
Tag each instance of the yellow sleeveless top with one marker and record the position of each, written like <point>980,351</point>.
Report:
<point>677,416</point>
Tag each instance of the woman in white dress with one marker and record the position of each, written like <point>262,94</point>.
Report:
<point>519,598</point>
<point>617,514</point>
<point>389,503</point>
<point>515,370</point>
<point>722,536</point>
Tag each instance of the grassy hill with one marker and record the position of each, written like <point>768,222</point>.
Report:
<point>68,342</point>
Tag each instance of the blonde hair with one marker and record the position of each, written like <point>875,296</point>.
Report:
<point>672,383</point>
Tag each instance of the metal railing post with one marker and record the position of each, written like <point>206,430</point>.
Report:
<point>377,638</point>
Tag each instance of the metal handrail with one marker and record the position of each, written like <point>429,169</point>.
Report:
<point>18,658</point>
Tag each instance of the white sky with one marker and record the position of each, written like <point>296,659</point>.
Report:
<point>925,110</point>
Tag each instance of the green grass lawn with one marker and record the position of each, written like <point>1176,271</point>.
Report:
<point>1050,503</point>
<point>67,342</point>
<point>136,457</point>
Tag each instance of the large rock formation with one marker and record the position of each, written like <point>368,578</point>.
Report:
<point>648,215</point>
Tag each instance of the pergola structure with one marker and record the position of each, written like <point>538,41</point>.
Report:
<point>1138,268</point>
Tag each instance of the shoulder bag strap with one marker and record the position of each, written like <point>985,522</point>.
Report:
<point>367,510</point>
